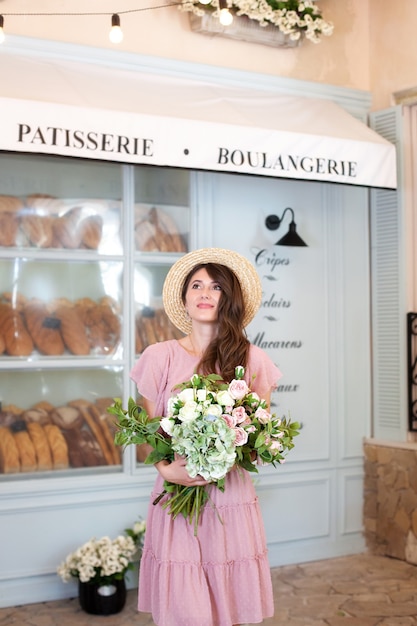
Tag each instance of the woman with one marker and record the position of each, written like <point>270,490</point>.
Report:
<point>221,577</point>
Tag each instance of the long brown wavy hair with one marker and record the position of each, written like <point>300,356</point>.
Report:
<point>230,347</point>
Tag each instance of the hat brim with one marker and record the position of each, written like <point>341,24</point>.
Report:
<point>243,269</point>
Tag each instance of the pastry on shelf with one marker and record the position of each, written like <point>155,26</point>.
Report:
<point>44,329</point>
<point>37,414</point>
<point>91,229</point>
<point>72,330</point>
<point>27,453</point>
<point>66,229</point>
<point>41,445</point>
<point>10,206</point>
<point>102,326</point>
<point>14,332</point>
<point>156,231</point>
<point>66,417</point>
<point>9,452</point>
<point>58,445</point>
<point>15,299</point>
<point>37,230</point>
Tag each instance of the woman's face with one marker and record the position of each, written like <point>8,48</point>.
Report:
<point>202,297</point>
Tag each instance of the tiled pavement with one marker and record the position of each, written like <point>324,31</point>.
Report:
<point>360,590</point>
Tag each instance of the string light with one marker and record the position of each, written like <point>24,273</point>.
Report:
<point>225,17</point>
<point>116,33</point>
<point>2,37</point>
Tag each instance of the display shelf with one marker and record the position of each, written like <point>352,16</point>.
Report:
<point>84,251</point>
<point>58,419</point>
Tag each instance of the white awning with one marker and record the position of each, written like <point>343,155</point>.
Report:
<point>86,110</point>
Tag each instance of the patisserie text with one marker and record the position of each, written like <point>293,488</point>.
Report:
<point>95,141</point>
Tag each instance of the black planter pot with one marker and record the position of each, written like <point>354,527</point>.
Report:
<point>102,599</point>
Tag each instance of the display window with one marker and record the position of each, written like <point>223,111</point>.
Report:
<point>84,247</point>
<point>57,420</point>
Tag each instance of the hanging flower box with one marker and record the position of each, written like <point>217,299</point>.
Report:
<point>243,29</point>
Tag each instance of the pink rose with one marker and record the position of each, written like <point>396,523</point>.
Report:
<point>230,420</point>
<point>241,436</point>
<point>239,414</point>
<point>238,389</point>
<point>263,415</point>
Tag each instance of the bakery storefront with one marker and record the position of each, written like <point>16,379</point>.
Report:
<point>100,192</point>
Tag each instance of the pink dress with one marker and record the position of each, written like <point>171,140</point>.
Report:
<point>222,576</point>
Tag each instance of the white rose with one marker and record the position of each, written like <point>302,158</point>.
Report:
<point>167,425</point>
<point>224,398</point>
<point>170,406</point>
<point>214,409</point>
<point>186,395</point>
<point>201,394</point>
<point>188,412</point>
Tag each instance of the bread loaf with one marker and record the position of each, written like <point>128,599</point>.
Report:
<point>58,446</point>
<point>15,299</point>
<point>9,226</point>
<point>91,229</point>
<point>103,328</point>
<point>67,417</point>
<point>101,420</point>
<point>66,229</point>
<point>41,445</point>
<point>9,453</point>
<point>167,225</point>
<point>10,204</point>
<point>43,328</point>
<point>96,430</point>
<point>43,405</point>
<point>15,410</point>
<point>27,454</point>
<point>90,450</point>
<point>37,230</point>
<point>36,415</point>
<point>12,328</point>
<point>74,442</point>
<point>73,331</point>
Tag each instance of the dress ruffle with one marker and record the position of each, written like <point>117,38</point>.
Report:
<point>220,577</point>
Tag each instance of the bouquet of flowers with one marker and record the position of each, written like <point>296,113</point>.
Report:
<point>213,425</point>
<point>101,561</point>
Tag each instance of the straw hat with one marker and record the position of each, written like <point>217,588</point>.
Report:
<point>244,270</point>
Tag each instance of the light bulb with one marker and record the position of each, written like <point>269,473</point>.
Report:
<point>225,17</point>
<point>205,1</point>
<point>116,33</point>
<point>2,37</point>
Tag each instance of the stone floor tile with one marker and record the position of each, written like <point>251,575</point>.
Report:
<point>381,609</point>
<point>360,590</point>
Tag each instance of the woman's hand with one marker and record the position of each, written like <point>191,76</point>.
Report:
<point>176,473</point>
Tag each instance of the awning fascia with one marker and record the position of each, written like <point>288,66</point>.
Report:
<point>94,112</point>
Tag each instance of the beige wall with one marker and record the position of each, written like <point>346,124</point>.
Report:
<point>393,50</point>
<point>374,46</point>
<point>341,59</point>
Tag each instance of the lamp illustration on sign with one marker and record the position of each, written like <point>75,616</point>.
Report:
<point>292,238</point>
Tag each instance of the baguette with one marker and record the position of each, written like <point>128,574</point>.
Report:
<point>58,445</point>
<point>41,445</point>
<point>9,452</point>
<point>97,433</point>
<point>27,454</point>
